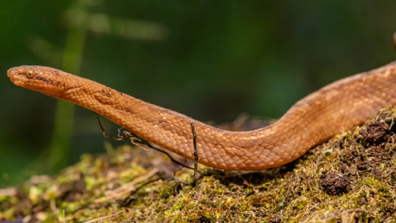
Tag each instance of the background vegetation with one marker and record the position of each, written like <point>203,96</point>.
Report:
<point>211,60</point>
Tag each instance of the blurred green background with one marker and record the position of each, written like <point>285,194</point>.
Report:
<point>211,60</point>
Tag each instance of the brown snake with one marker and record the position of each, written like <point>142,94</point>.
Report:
<point>312,120</point>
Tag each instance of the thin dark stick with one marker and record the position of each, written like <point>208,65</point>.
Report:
<point>196,156</point>
<point>144,142</point>
<point>107,135</point>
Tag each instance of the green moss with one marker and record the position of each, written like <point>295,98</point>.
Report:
<point>295,192</point>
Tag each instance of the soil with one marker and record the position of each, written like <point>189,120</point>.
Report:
<point>351,178</point>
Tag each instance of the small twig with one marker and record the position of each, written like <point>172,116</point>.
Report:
<point>124,189</point>
<point>128,200</point>
<point>104,217</point>
<point>11,191</point>
<point>144,142</point>
<point>196,156</point>
<point>136,140</point>
<point>108,135</point>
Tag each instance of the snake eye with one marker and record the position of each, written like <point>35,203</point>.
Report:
<point>30,74</point>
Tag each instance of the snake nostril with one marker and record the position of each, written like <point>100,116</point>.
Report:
<point>10,73</point>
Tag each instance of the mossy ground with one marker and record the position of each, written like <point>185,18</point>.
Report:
<point>349,179</point>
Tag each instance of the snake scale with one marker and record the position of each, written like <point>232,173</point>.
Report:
<point>314,119</point>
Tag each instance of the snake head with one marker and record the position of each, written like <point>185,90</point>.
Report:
<point>38,78</point>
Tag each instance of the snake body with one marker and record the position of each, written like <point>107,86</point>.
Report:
<point>330,110</point>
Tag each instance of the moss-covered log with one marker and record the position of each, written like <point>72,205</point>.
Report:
<point>351,178</point>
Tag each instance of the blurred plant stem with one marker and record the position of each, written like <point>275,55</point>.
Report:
<point>72,58</point>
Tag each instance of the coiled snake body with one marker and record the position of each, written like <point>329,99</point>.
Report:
<point>312,120</point>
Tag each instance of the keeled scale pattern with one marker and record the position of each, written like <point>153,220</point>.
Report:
<point>312,120</point>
